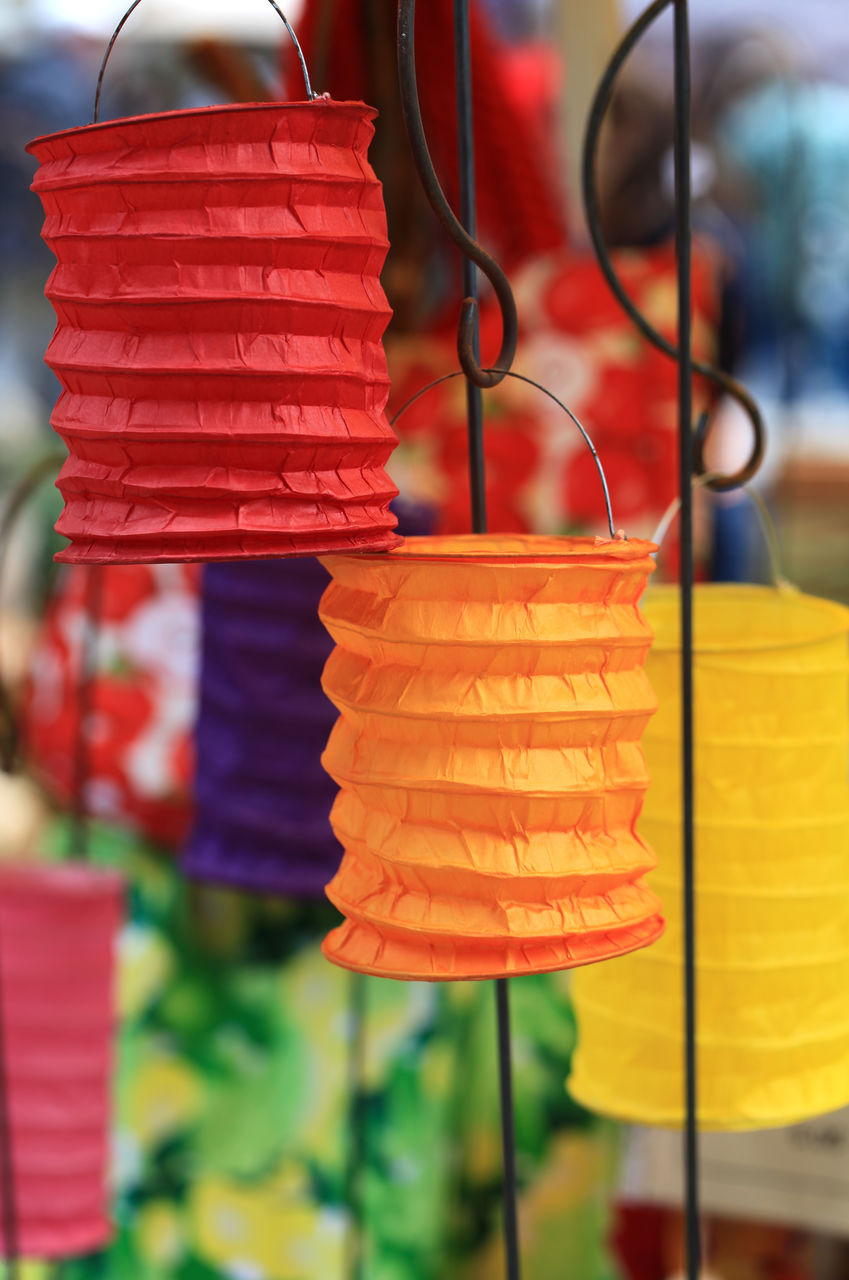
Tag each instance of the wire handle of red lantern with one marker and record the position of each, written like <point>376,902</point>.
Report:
<point>311,94</point>
<point>765,523</point>
<point>468,246</point>
<point>520,377</point>
<point>592,209</point>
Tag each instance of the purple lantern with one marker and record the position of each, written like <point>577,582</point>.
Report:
<point>262,799</point>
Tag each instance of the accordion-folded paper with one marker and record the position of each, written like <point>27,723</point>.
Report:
<point>492,696</point>
<point>219,333</point>
<point>771,689</point>
<point>58,930</point>
<point>262,800</point>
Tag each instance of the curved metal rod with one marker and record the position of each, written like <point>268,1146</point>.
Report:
<point>470,248</point>
<point>18,498</point>
<point>723,381</point>
<point>310,92</point>
<point>520,377</point>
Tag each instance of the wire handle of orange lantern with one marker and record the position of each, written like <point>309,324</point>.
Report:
<point>765,523</point>
<point>311,93</point>
<point>520,377</point>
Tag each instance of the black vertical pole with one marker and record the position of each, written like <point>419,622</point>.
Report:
<point>683,243</point>
<point>468,217</point>
<point>474,410</point>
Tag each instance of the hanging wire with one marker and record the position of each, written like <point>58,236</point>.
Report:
<point>592,207</point>
<point>765,521</point>
<point>311,94</point>
<point>15,503</point>
<point>520,377</point>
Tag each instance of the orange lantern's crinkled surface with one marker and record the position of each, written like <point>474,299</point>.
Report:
<point>492,698</point>
<point>219,333</point>
<point>58,928</point>
<point>771,719</point>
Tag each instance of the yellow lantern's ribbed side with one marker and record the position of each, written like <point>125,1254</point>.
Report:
<point>492,698</point>
<point>771,705</point>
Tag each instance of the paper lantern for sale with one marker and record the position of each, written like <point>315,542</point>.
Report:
<point>219,333</point>
<point>492,696</point>
<point>772,875</point>
<point>262,799</point>
<point>58,928</point>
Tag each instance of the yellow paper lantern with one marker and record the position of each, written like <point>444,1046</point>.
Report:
<point>492,695</point>
<point>771,707</point>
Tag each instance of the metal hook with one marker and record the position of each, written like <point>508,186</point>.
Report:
<point>411,108</point>
<point>730,386</point>
<point>310,92</point>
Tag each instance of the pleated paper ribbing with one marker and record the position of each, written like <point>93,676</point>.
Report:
<point>58,930</point>
<point>772,874</point>
<point>219,333</point>
<point>492,698</point>
<point>262,800</point>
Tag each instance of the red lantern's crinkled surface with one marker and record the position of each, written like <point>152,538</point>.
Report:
<point>219,336</point>
<point>57,941</point>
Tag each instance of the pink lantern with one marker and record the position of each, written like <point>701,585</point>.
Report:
<point>58,926</point>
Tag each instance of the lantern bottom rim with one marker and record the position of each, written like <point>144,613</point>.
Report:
<point>461,963</point>
<point>105,554</point>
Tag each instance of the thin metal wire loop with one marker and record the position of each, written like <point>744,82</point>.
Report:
<point>311,94</point>
<point>730,386</point>
<point>520,377</point>
<point>467,245</point>
<point>765,524</point>
<point>19,497</point>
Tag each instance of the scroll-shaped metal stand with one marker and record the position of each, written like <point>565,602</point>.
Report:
<point>468,349</point>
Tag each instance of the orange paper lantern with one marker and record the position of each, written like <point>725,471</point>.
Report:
<point>58,929</point>
<point>219,335</point>
<point>492,699</point>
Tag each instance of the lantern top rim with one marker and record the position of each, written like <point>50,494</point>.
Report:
<point>361,109</point>
<point>743,617</point>
<point>506,549</point>
<point>74,880</point>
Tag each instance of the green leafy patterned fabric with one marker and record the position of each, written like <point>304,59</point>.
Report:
<point>238,1130</point>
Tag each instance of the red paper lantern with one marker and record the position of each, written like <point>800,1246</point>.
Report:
<point>219,335</point>
<point>57,945</point>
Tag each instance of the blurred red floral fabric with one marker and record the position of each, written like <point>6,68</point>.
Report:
<point>576,341</point>
<point>141,699</point>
